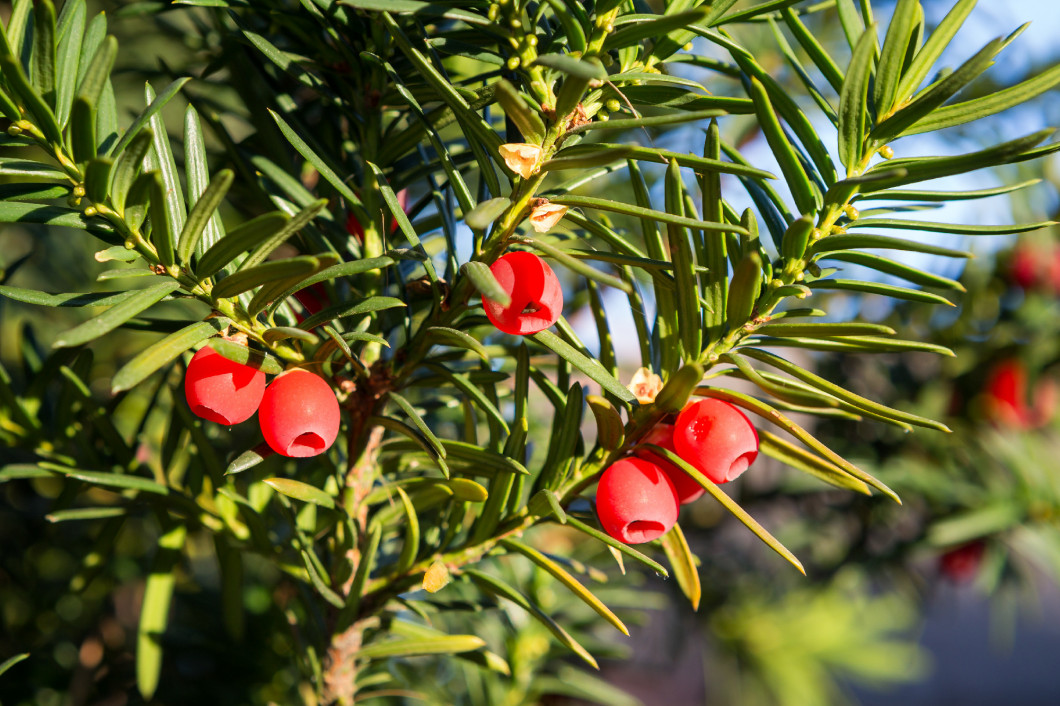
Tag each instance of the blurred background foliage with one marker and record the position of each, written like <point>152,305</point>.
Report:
<point>982,506</point>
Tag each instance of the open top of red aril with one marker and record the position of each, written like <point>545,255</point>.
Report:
<point>636,501</point>
<point>299,414</point>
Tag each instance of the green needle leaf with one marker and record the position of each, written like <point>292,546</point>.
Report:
<point>689,317</point>
<point>839,392</point>
<point>12,661</point>
<point>859,241</point>
<point>786,452</point>
<point>324,168</point>
<point>43,60</point>
<point>610,431</point>
<point>164,352</point>
<point>893,54</point>
<point>527,121</point>
<point>450,644</point>
<point>495,586</point>
<point>939,40</point>
<point>250,458</point>
<point>202,213</point>
<point>484,281</point>
<point>248,278</point>
<point>587,365</point>
<point>617,545</point>
<point>796,237</point>
<point>117,315</point>
<point>246,356</point>
<point>459,339</point>
<point>564,577</point>
<point>417,420</point>
<point>144,118</point>
<point>806,194</point>
<point>411,547</point>
<point>154,615</point>
<point>575,265</point>
<point>299,221</point>
<point>893,267</point>
<point>744,290</point>
<point>646,213</point>
<point>484,214</point>
<point>109,480</point>
<point>684,564</point>
<point>853,102</point>
<point>729,504</point>
<point>339,311</point>
<point>301,491</point>
<point>887,290</point>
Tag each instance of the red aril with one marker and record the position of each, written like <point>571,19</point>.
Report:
<point>222,390</point>
<point>299,414</point>
<point>663,435</point>
<point>635,501</point>
<point>716,438</point>
<point>536,295</point>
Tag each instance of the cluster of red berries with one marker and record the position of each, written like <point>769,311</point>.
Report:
<point>298,411</point>
<point>637,499</point>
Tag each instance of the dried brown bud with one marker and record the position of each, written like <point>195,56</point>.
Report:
<point>521,157</point>
<point>645,385</point>
<point>544,215</point>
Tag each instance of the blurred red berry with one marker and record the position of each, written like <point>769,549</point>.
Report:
<point>222,390</point>
<point>663,435</point>
<point>299,414</point>
<point>1052,272</point>
<point>716,438</point>
<point>1009,400</point>
<point>1025,267</point>
<point>354,228</point>
<point>536,295</point>
<point>635,501</point>
<point>313,299</point>
<point>1006,395</point>
<point>961,565</point>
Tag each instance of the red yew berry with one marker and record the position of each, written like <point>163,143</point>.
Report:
<point>1052,272</point>
<point>1006,395</point>
<point>635,501</point>
<point>354,228</point>
<point>962,564</point>
<point>1025,268</point>
<point>536,296</point>
<point>717,438</point>
<point>1008,399</point>
<point>222,390</point>
<point>663,435</point>
<point>312,298</point>
<point>299,414</point>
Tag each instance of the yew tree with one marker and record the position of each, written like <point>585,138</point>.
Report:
<point>334,204</point>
